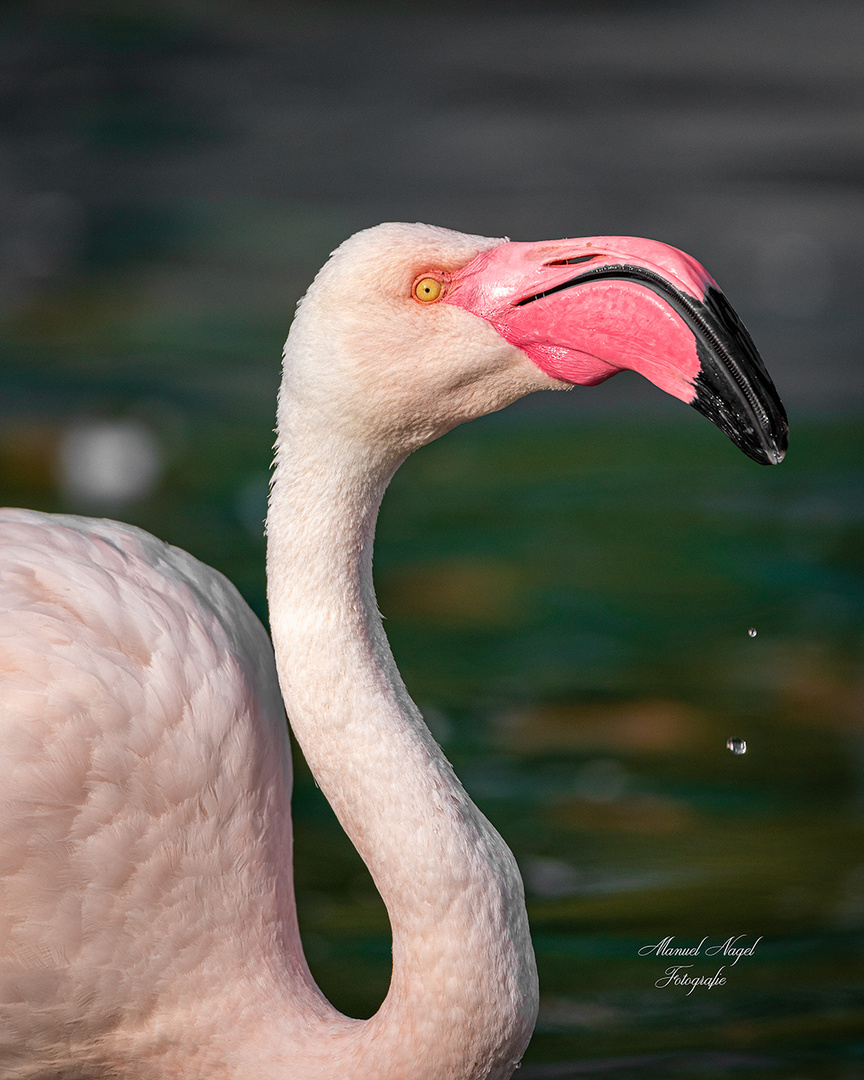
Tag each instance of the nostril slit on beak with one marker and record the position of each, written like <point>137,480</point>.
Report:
<point>573,261</point>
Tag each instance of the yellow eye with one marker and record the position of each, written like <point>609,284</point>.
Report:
<point>427,289</point>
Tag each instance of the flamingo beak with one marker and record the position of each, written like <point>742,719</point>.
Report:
<point>585,309</point>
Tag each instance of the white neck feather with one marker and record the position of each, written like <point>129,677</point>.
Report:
<point>462,1000</point>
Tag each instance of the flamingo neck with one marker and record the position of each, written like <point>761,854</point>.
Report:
<point>462,999</point>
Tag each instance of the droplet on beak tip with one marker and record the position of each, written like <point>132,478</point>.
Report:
<point>752,632</point>
<point>736,746</point>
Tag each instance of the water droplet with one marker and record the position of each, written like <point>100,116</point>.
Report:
<point>752,631</point>
<point>737,746</point>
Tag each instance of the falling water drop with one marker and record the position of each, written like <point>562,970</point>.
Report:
<point>736,746</point>
<point>752,631</point>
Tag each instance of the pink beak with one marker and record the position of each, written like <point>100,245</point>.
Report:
<point>585,309</point>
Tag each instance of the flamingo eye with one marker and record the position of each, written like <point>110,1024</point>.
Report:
<point>427,289</point>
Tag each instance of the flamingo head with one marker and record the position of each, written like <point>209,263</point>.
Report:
<point>428,328</point>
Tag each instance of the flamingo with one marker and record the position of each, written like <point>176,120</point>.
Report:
<point>147,922</point>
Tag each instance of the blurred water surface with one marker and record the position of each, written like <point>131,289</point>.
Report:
<point>568,585</point>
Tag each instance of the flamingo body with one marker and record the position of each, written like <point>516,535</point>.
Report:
<point>145,799</point>
<point>147,919</point>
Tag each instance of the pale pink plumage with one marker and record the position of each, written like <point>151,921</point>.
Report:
<point>146,786</point>
<point>147,919</point>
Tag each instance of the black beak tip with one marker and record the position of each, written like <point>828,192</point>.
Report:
<point>764,439</point>
<point>781,444</point>
<point>733,388</point>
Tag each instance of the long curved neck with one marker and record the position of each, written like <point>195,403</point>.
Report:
<point>462,1000</point>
